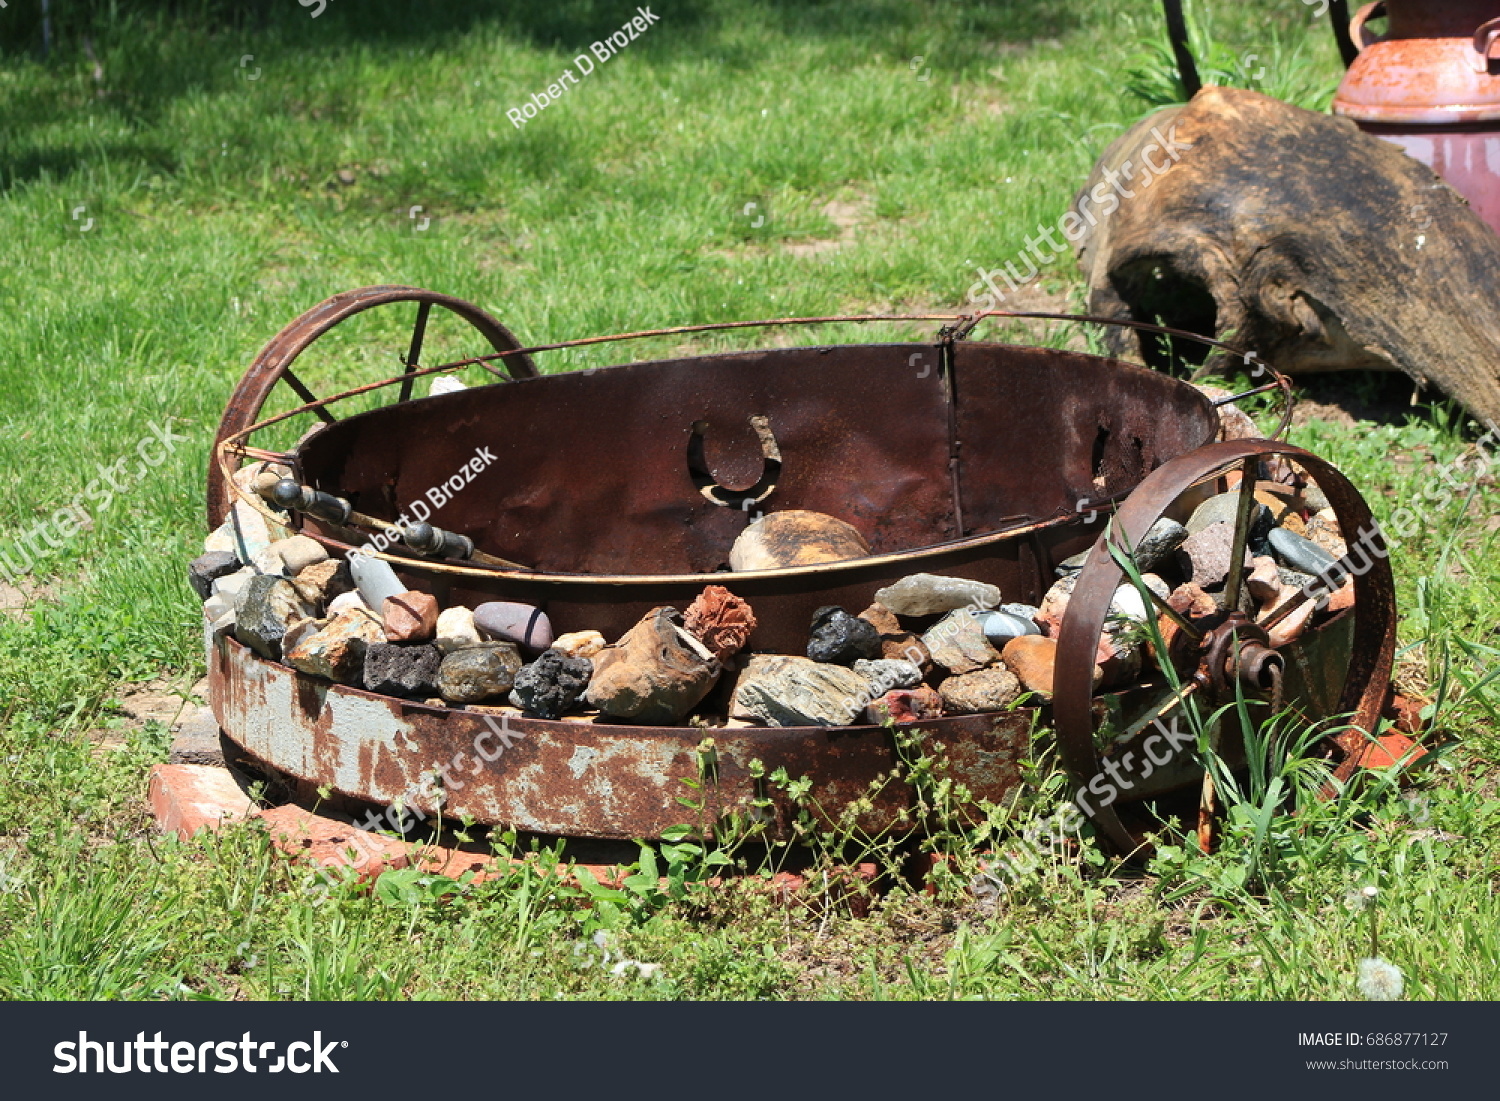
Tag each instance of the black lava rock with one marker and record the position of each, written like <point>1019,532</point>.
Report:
<point>396,669</point>
<point>841,638</point>
<point>204,570</point>
<point>551,684</point>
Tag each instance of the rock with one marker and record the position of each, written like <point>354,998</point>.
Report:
<point>259,477</point>
<point>320,583</point>
<point>266,560</point>
<point>445,384</point>
<point>655,674</point>
<point>207,568</point>
<point>958,643</point>
<point>552,684</point>
<point>790,691</point>
<point>1032,658</point>
<point>885,675</point>
<point>479,672</point>
<point>1264,581</point>
<point>928,594</point>
<point>1002,626</point>
<point>896,643</point>
<point>252,537</point>
<point>505,621</point>
<point>841,638</point>
<point>780,540</point>
<point>375,579</point>
<point>579,644</point>
<point>1323,530</point>
<point>905,705</point>
<point>299,630</point>
<point>402,669</point>
<point>337,650</point>
<point>455,629</point>
<point>992,689</point>
<point>1222,508</point>
<point>349,602</point>
<point>1055,604</point>
<point>218,611</point>
<point>1315,499</point>
<point>1299,553</point>
<point>264,609</point>
<point>720,620</point>
<point>410,617</point>
<point>1209,548</point>
<point>232,584</point>
<point>1191,602</point>
<point>299,552</point>
<point>1160,540</point>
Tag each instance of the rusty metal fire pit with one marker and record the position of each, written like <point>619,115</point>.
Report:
<point>986,461</point>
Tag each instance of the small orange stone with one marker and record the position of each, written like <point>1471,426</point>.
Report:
<point>410,617</point>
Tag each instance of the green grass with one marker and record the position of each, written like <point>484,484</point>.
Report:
<point>219,214</point>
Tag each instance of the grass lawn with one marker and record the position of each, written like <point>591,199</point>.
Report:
<point>176,192</point>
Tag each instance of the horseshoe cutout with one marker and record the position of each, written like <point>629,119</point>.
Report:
<point>741,499</point>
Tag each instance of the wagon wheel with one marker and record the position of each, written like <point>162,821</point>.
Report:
<point>1229,643</point>
<point>274,363</point>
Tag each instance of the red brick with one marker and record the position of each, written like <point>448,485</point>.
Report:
<point>332,843</point>
<point>189,798</point>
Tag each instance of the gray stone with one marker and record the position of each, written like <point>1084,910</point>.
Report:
<point>196,741</point>
<point>886,675</point>
<point>655,674</point>
<point>1208,549</point>
<point>299,552</point>
<point>375,579</point>
<point>1223,508</point>
<point>1160,540</point>
<point>551,684</point>
<point>505,621</point>
<point>397,669</point>
<point>992,689</point>
<point>958,643</point>
<point>263,611</point>
<point>1298,553</point>
<point>1314,498</point>
<point>207,568</point>
<point>1002,626</point>
<point>841,638</point>
<point>779,690</point>
<point>928,594</point>
<point>480,672</point>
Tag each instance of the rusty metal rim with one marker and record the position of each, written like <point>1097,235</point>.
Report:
<point>1370,662</point>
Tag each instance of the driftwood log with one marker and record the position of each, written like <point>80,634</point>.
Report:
<point>1299,237</point>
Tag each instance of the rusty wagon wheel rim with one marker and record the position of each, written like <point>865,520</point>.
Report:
<point>1366,682</point>
<point>273,365</point>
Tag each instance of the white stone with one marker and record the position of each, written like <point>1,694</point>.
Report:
<point>455,628</point>
<point>928,594</point>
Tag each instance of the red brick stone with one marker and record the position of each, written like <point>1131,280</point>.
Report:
<point>331,843</point>
<point>189,798</point>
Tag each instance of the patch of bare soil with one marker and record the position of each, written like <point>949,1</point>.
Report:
<point>172,702</point>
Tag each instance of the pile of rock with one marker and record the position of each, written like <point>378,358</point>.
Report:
<point>928,646</point>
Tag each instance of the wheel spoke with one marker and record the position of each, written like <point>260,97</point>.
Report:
<point>307,396</point>
<point>1242,521</point>
<point>414,350</point>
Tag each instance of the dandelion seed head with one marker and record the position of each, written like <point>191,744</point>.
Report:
<point>1380,980</point>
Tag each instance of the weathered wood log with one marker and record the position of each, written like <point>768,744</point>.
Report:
<point>1297,236</point>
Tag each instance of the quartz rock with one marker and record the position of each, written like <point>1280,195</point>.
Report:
<point>402,669</point>
<point>551,684</point>
<point>207,568</point>
<point>506,621</point>
<point>410,617</point>
<point>455,629</point>
<point>349,602</point>
<point>721,621</point>
<point>796,537</point>
<point>478,672</point>
<point>655,674</point>
<point>264,609</point>
<point>790,691</point>
<point>992,689</point>
<point>579,644</point>
<point>924,594</point>
<point>337,650</point>
<point>841,638</point>
<point>958,643</point>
